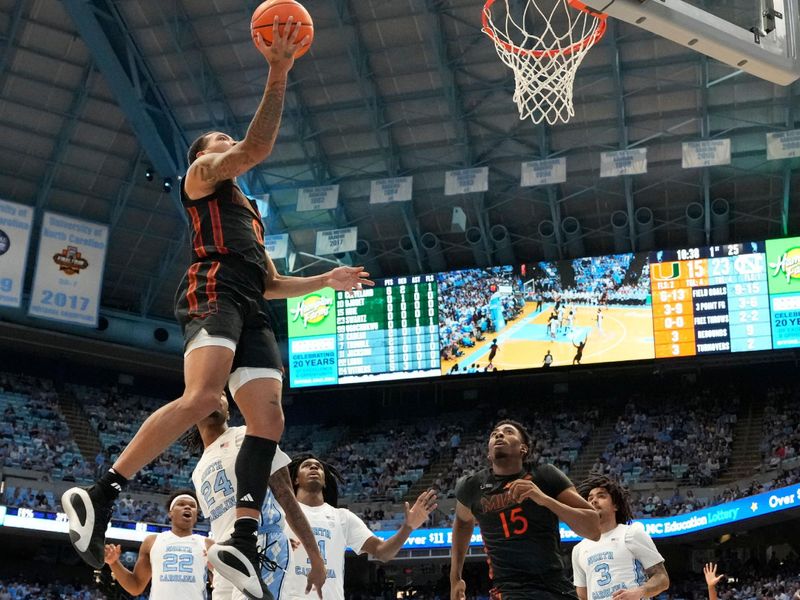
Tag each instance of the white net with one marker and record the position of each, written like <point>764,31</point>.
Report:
<point>544,43</point>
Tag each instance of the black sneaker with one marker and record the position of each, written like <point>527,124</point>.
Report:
<point>238,560</point>
<point>89,513</point>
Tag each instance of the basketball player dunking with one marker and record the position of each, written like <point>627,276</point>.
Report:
<point>174,560</point>
<point>517,507</point>
<point>227,334</point>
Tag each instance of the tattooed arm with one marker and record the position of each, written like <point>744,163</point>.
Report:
<point>238,158</point>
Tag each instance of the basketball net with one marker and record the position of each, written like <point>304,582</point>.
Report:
<point>544,61</point>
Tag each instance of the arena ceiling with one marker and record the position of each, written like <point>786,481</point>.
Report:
<point>95,92</point>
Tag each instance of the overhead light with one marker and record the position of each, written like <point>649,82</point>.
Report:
<point>148,174</point>
<point>167,185</point>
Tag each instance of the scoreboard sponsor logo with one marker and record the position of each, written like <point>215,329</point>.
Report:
<point>312,314</point>
<point>312,309</point>
<point>788,265</point>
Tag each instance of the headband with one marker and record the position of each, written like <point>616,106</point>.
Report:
<point>178,497</point>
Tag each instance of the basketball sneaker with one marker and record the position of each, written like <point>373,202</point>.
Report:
<point>239,561</point>
<point>89,512</point>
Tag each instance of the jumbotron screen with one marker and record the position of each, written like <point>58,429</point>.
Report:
<point>662,304</point>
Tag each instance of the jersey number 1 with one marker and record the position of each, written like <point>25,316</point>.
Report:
<point>518,522</point>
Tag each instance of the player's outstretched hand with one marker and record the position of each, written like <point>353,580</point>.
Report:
<point>112,553</point>
<point>458,590</point>
<point>316,576</point>
<point>525,489</point>
<point>348,279</point>
<point>426,503</point>
<point>710,571</point>
<point>280,53</point>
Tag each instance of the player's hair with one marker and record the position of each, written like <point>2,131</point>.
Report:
<point>619,495</point>
<point>330,493</point>
<point>526,437</point>
<point>192,441</point>
<point>177,493</point>
<point>197,146</point>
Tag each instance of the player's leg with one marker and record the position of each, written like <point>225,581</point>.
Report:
<point>89,510</point>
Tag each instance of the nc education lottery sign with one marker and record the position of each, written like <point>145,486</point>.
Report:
<point>69,270</point>
<point>15,234</point>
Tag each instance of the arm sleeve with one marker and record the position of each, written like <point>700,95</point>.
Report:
<point>552,480</point>
<point>356,531</point>
<point>641,546</point>
<point>578,574</point>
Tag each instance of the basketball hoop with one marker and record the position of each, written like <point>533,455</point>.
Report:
<point>546,59</point>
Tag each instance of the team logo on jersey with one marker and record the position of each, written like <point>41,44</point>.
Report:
<point>5,242</point>
<point>788,265</point>
<point>312,309</point>
<point>70,260</point>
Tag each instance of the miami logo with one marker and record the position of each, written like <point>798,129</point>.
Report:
<point>665,271</point>
<point>312,309</point>
<point>788,265</point>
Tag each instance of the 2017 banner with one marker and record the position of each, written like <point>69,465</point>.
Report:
<point>15,234</point>
<point>69,270</point>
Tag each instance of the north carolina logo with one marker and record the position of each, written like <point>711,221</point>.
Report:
<point>70,260</point>
<point>789,265</point>
<point>312,309</point>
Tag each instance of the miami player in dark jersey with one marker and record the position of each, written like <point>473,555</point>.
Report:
<point>517,507</point>
<point>228,337</point>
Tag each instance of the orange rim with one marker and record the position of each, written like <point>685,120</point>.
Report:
<point>589,40</point>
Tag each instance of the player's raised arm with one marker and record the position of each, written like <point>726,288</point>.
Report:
<point>463,526</point>
<point>712,579</point>
<point>210,169</point>
<point>344,279</point>
<point>386,550</point>
<point>132,582</point>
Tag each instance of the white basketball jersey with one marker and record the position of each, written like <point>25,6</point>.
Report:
<point>335,529</point>
<point>617,561</point>
<point>214,480</point>
<point>179,567</point>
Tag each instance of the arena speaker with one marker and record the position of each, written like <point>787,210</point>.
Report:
<point>571,228</point>
<point>475,240</point>
<point>644,228</point>
<point>619,227</point>
<point>503,250</point>
<point>406,245</point>
<point>720,221</point>
<point>363,256</point>
<point>433,250</point>
<point>547,233</point>
<point>695,224</point>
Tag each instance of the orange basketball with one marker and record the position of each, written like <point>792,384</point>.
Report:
<point>264,18</point>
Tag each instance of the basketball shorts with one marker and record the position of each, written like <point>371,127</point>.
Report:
<point>219,304</point>
<point>533,590</point>
<point>277,550</point>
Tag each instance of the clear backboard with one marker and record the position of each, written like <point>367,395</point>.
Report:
<point>757,36</point>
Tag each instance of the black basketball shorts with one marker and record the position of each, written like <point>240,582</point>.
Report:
<point>219,300</point>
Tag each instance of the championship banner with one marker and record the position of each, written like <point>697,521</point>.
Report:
<point>334,241</point>
<point>706,153</point>
<point>325,197</point>
<point>466,181</point>
<point>277,246</point>
<point>395,189</point>
<point>69,270</point>
<point>544,172</point>
<point>15,234</point>
<point>623,162</point>
<point>783,144</point>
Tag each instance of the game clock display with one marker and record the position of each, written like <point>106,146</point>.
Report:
<point>710,300</point>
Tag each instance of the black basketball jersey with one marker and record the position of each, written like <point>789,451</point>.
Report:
<point>522,540</point>
<point>226,224</point>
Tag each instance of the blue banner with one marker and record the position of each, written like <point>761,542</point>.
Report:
<point>664,527</point>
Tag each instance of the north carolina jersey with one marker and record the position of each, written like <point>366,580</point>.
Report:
<point>617,561</point>
<point>178,566</point>
<point>335,530</point>
<point>214,480</point>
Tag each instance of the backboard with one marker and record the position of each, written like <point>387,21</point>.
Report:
<point>756,36</point>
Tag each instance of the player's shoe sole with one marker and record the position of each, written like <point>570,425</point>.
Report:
<point>229,560</point>
<point>80,509</point>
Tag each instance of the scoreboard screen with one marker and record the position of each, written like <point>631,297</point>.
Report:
<point>710,300</point>
<point>636,306</point>
<point>386,332</point>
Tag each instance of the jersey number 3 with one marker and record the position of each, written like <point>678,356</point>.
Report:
<point>515,523</point>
